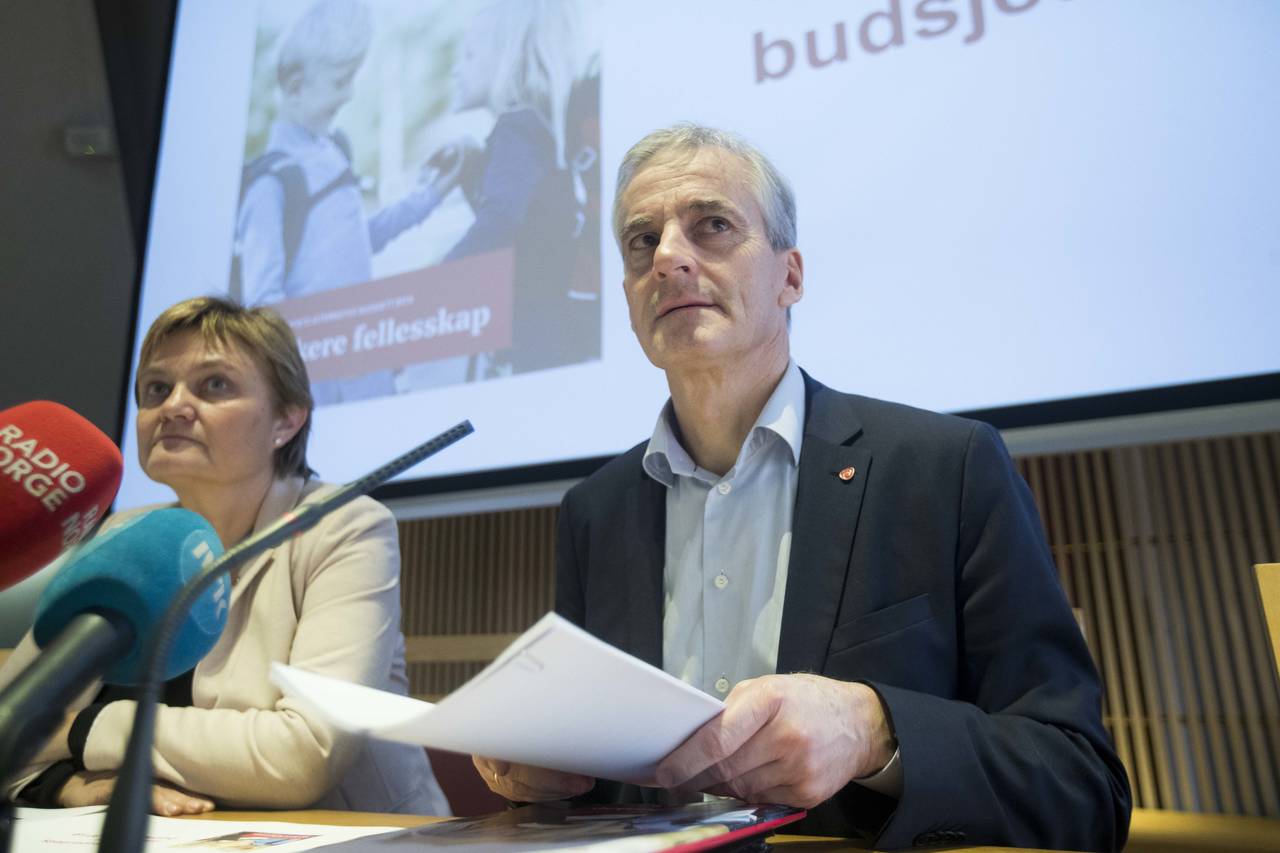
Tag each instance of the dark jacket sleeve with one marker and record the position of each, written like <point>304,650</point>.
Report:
<point>519,153</point>
<point>569,599</point>
<point>1019,757</point>
<point>572,570</point>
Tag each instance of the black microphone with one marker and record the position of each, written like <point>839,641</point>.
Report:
<point>125,826</point>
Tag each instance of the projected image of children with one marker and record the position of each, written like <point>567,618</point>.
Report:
<point>420,191</point>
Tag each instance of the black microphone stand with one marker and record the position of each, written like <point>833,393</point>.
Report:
<point>125,828</point>
<point>32,705</point>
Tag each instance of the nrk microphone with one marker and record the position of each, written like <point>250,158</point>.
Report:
<point>130,574</point>
<point>125,826</point>
<point>94,615</point>
<point>58,476</point>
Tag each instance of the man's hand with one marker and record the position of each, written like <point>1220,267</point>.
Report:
<point>527,784</point>
<point>790,739</point>
<point>94,789</point>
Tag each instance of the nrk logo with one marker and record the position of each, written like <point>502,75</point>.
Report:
<point>879,31</point>
<point>198,552</point>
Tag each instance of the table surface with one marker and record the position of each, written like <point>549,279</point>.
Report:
<point>1151,831</point>
<point>794,843</point>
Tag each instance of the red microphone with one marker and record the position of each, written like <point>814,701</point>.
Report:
<point>58,477</point>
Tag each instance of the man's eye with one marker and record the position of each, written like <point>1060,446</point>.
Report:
<point>715,224</point>
<point>644,242</point>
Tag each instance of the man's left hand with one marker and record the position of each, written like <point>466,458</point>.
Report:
<point>790,739</point>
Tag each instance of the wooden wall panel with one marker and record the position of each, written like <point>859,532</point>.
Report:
<point>1155,545</point>
<point>487,574</point>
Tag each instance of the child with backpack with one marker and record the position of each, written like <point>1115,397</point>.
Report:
<point>301,227</point>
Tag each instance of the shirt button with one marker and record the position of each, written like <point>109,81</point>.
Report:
<point>722,685</point>
<point>724,488</point>
<point>721,581</point>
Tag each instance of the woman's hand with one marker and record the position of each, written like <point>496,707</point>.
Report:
<point>94,789</point>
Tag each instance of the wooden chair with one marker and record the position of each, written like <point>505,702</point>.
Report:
<point>466,792</point>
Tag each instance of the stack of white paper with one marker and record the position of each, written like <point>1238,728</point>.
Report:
<point>43,830</point>
<point>557,697</point>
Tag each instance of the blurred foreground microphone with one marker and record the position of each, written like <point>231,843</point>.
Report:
<point>58,476</point>
<point>95,615</point>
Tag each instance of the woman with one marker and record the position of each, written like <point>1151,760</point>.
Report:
<point>519,60</point>
<point>223,417</point>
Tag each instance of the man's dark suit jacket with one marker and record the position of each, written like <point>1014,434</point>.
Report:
<point>927,576</point>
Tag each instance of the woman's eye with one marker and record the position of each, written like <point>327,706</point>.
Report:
<point>155,391</point>
<point>217,384</point>
<point>716,224</point>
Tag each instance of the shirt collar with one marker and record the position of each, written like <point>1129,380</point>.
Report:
<point>782,416</point>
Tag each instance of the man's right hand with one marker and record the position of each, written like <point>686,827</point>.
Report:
<point>524,783</point>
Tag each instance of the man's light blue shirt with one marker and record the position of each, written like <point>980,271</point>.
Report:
<point>728,545</point>
<point>728,550</point>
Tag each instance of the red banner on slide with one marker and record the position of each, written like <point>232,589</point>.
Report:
<point>458,308</point>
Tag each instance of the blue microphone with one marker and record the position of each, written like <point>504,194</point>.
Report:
<point>95,615</point>
<point>132,572</point>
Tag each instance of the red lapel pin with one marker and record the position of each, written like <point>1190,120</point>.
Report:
<point>846,474</point>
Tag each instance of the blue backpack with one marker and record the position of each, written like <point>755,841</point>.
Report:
<point>298,201</point>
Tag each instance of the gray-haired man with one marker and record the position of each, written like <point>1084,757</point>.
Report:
<point>866,585</point>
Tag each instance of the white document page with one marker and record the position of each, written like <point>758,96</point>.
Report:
<point>557,697</point>
<point>28,813</point>
<point>74,830</point>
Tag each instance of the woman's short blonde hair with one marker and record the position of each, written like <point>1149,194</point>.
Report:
<point>538,59</point>
<point>266,338</point>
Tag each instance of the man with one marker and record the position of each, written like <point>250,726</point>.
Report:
<point>866,585</point>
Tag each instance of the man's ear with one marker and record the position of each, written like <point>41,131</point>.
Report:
<point>793,281</point>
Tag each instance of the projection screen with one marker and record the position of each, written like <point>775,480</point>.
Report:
<point>1001,202</point>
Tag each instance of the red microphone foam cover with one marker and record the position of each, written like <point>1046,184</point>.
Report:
<point>58,477</point>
